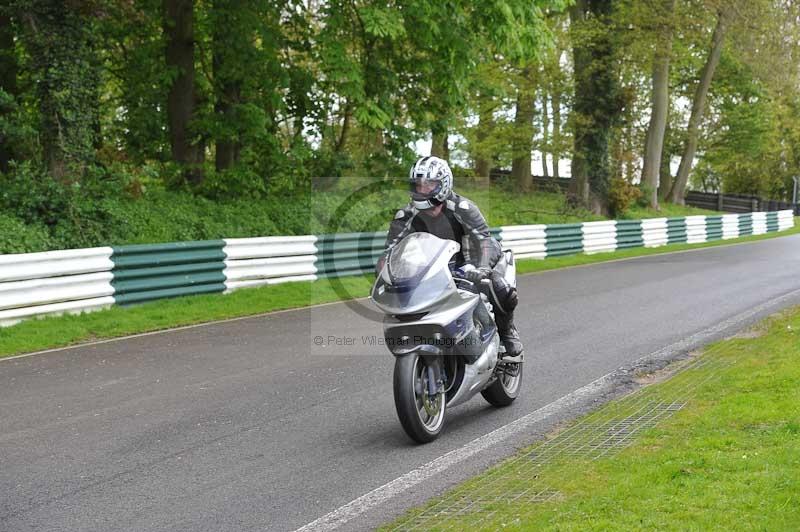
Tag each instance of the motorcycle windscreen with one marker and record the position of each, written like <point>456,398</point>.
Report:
<point>413,283</point>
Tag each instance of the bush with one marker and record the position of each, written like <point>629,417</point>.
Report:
<point>621,196</point>
<point>19,237</point>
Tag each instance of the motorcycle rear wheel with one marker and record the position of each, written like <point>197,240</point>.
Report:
<point>421,417</point>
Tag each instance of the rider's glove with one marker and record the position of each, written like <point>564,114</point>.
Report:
<point>478,274</point>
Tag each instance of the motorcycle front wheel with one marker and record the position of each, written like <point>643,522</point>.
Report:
<point>421,414</point>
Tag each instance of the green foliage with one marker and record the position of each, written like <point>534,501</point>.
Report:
<point>74,213</point>
<point>382,22</point>
<point>750,139</point>
<point>17,236</point>
<point>621,195</point>
<point>61,43</point>
<point>16,130</point>
<point>289,97</point>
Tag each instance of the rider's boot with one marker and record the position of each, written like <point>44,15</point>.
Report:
<point>508,334</point>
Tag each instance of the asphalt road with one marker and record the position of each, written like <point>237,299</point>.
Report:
<point>248,425</point>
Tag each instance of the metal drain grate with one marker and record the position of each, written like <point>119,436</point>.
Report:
<point>486,504</point>
<point>522,480</point>
<point>595,440</point>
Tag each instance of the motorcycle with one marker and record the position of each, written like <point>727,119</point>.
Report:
<point>440,327</point>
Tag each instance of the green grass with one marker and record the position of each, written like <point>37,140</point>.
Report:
<point>502,207</point>
<point>668,210</point>
<point>729,459</point>
<point>61,331</point>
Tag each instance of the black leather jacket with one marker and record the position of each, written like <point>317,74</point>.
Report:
<point>459,220</point>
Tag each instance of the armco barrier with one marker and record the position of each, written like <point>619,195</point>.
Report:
<point>147,272</point>
<point>54,281</point>
<point>540,241</point>
<point>87,279</point>
<point>269,260</point>
<point>349,253</point>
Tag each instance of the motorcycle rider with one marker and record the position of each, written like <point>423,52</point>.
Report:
<point>435,208</point>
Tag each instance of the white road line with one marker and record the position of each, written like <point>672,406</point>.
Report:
<point>397,486</point>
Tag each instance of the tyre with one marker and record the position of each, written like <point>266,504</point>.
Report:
<point>506,387</point>
<point>421,416</point>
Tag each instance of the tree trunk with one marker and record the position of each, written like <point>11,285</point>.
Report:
<point>228,47</point>
<point>439,146</point>
<point>63,58</point>
<point>556,100</point>
<point>597,105</point>
<point>630,166</point>
<point>8,83</point>
<point>341,144</point>
<point>665,176</point>
<point>665,171</point>
<point>581,58</point>
<point>698,107</point>
<point>182,97</point>
<point>482,162</point>
<point>523,135</point>
<point>545,134</point>
<point>229,147</point>
<point>660,106</point>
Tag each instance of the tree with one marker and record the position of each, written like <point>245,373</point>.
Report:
<point>556,82</point>
<point>188,148</point>
<point>485,126</point>
<point>522,143</point>
<point>669,148</point>
<point>231,43</point>
<point>678,190</point>
<point>61,41</point>
<point>596,101</point>
<point>8,87</point>
<point>489,92</point>
<point>557,133</point>
<point>545,133</point>
<point>654,145</point>
<point>439,145</point>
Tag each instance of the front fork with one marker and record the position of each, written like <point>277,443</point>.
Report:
<point>433,364</point>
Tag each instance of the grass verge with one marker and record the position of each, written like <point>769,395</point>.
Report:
<point>728,454</point>
<point>62,331</point>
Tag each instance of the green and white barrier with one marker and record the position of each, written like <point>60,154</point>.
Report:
<point>76,280</point>
<point>156,271</point>
<point>274,259</point>
<point>541,241</point>
<point>82,280</point>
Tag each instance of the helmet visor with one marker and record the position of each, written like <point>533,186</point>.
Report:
<point>424,189</point>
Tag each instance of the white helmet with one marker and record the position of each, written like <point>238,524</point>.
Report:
<point>430,170</point>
